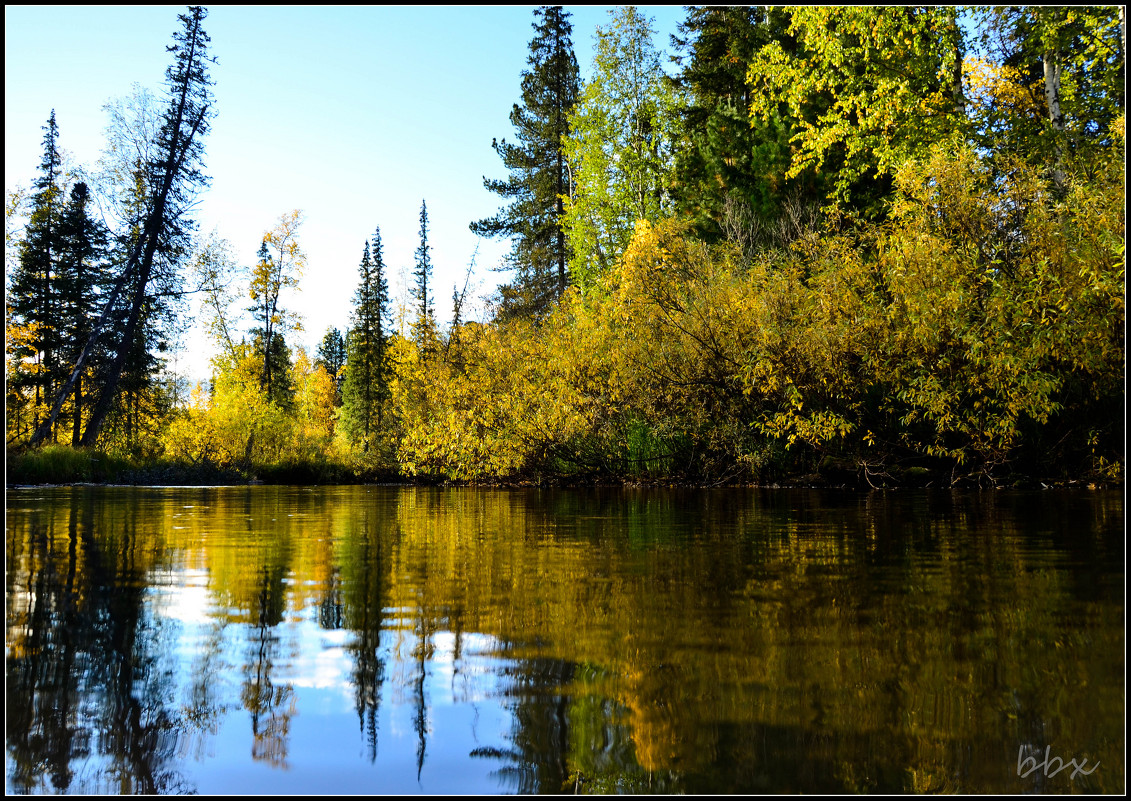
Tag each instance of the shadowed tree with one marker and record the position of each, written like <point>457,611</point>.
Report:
<point>172,180</point>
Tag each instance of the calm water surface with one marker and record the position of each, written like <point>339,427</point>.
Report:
<point>406,640</point>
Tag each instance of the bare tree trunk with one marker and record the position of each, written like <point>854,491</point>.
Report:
<point>1056,118</point>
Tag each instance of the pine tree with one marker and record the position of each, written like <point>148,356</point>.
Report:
<point>538,174</point>
<point>365,391</point>
<point>425,316</point>
<point>82,279</point>
<point>33,293</point>
<point>332,356</point>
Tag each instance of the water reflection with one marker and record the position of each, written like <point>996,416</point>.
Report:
<point>270,639</point>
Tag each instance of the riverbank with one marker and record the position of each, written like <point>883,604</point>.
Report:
<point>63,465</point>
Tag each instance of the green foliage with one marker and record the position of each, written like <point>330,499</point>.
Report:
<point>279,265</point>
<point>424,328</point>
<point>365,388</point>
<point>863,90</point>
<point>622,134</point>
<point>33,293</point>
<point>725,159</point>
<point>332,357</point>
<point>59,464</point>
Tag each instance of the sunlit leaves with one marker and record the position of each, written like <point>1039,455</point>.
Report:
<point>622,134</point>
<point>865,89</point>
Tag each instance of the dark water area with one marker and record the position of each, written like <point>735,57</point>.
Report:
<point>421,640</point>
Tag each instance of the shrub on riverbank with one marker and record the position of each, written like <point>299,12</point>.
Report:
<point>976,333</point>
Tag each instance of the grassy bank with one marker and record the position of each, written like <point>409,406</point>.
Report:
<point>62,464</point>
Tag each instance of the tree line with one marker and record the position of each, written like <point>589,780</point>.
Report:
<point>865,243</point>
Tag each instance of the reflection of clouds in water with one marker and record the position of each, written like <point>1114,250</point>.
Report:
<point>184,596</point>
<point>321,661</point>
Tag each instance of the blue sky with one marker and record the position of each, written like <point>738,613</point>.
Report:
<point>352,114</point>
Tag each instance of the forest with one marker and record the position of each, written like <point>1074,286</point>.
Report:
<point>865,247</point>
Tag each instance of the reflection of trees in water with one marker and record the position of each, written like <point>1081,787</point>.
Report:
<point>83,677</point>
<point>537,761</point>
<point>330,604</point>
<point>790,642</point>
<point>43,733</point>
<point>425,630</point>
<point>364,614</point>
<point>205,708</point>
<point>271,706</point>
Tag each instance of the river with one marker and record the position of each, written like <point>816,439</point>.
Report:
<point>282,640</point>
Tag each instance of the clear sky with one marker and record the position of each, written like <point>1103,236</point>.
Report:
<point>353,114</point>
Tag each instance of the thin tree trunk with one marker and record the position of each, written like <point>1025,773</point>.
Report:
<point>76,428</point>
<point>1056,118</point>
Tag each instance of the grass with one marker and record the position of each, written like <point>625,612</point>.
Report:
<point>62,464</point>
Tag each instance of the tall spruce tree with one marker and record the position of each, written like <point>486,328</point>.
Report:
<point>365,390</point>
<point>33,293</point>
<point>538,174</point>
<point>172,180</point>
<point>82,280</point>
<point>425,325</point>
<point>728,165</point>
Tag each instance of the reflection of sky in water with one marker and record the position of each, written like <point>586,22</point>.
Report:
<point>327,750</point>
<point>171,641</point>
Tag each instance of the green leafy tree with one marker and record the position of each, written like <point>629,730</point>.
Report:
<point>1052,82</point>
<point>538,174</point>
<point>863,90</point>
<point>619,149</point>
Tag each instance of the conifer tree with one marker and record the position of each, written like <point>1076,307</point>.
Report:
<point>172,179</point>
<point>425,317</point>
<point>33,292</point>
<point>727,164</point>
<point>538,173</point>
<point>82,279</point>
<point>365,390</point>
<point>332,356</point>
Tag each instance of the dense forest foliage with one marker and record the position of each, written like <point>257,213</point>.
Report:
<point>853,245</point>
